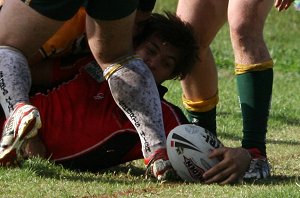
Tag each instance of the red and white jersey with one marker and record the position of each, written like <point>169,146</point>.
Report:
<point>81,115</point>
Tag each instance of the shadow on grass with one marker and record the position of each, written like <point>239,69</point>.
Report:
<point>274,115</point>
<point>275,180</point>
<point>128,169</point>
<point>126,174</point>
<point>238,137</point>
<point>286,120</point>
<point>45,169</point>
<point>234,137</point>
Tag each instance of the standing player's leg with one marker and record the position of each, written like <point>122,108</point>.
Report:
<point>18,40</point>
<point>200,88</point>
<point>131,82</point>
<point>254,77</point>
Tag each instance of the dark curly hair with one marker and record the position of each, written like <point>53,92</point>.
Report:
<point>170,28</point>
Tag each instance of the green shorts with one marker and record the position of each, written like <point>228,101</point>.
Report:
<point>62,10</point>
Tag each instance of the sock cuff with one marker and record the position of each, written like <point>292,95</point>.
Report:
<point>118,65</point>
<point>200,105</point>
<point>9,48</point>
<point>244,68</point>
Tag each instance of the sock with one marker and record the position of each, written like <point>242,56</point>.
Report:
<point>134,90</point>
<point>202,112</point>
<point>206,119</point>
<point>255,91</point>
<point>15,79</point>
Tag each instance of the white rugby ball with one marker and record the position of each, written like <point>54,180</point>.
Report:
<point>188,147</point>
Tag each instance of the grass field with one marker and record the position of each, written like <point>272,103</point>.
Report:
<point>40,178</point>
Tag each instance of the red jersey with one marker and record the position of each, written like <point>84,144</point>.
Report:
<point>80,116</point>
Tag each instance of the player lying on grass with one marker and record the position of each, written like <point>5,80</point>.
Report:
<point>20,118</point>
<point>71,120</point>
<point>109,29</point>
<point>83,128</point>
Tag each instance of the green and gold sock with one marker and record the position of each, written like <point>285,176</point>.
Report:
<point>206,119</point>
<point>255,91</point>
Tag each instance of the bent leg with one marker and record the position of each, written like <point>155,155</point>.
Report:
<point>132,84</point>
<point>200,88</point>
<point>21,34</point>
<point>17,39</point>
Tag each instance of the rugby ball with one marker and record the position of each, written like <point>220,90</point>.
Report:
<point>188,147</point>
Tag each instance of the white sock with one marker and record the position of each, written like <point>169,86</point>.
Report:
<point>134,90</point>
<point>15,79</point>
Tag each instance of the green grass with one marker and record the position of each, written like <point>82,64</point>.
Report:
<point>40,178</point>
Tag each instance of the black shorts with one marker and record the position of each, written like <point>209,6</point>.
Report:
<point>62,10</point>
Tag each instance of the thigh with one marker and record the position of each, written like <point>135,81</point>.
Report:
<point>25,29</point>
<point>246,21</point>
<point>206,17</point>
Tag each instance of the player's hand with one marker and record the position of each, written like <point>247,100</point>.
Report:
<point>282,4</point>
<point>232,167</point>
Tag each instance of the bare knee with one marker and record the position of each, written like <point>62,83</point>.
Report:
<point>246,21</point>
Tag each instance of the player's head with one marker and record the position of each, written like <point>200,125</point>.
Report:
<point>168,46</point>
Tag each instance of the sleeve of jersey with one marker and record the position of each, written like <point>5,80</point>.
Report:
<point>61,42</point>
<point>173,116</point>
